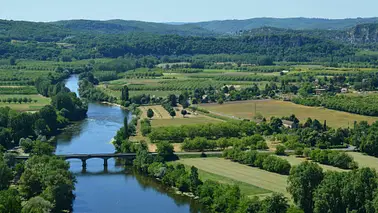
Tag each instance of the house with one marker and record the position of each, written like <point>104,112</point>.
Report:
<point>288,124</point>
<point>320,91</point>
<point>344,90</point>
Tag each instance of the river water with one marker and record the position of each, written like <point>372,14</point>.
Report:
<point>115,189</point>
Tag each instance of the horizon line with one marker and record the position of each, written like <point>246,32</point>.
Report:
<point>191,22</point>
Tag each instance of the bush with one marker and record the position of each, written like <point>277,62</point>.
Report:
<point>298,152</point>
<point>145,126</point>
<point>307,152</point>
<point>262,160</point>
<point>277,165</point>
<point>333,158</point>
<point>280,150</point>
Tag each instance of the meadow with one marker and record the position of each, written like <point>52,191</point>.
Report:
<point>38,101</point>
<point>270,108</point>
<point>364,160</point>
<point>162,118</point>
<point>241,173</point>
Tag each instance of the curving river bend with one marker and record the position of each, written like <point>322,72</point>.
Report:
<point>116,190</point>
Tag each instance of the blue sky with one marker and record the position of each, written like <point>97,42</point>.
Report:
<point>182,11</point>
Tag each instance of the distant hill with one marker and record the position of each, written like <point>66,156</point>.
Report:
<point>122,27</point>
<point>37,31</point>
<point>359,34</point>
<point>233,26</point>
<point>363,33</point>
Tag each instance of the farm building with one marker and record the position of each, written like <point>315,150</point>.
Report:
<point>288,124</point>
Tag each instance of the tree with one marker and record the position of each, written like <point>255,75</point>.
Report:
<point>220,101</point>
<point>249,205</point>
<point>183,113</point>
<point>150,113</point>
<point>225,89</point>
<point>302,183</point>
<point>10,201</point>
<point>172,113</point>
<point>280,150</point>
<point>6,175</point>
<point>194,181</point>
<point>125,93</point>
<point>328,196</point>
<point>276,124</point>
<point>37,205</point>
<point>48,114</point>
<point>12,61</point>
<point>265,61</point>
<point>49,177</point>
<point>277,203</point>
<point>359,188</point>
<point>165,151</point>
<point>42,148</point>
<point>126,134</point>
<point>172,99</point>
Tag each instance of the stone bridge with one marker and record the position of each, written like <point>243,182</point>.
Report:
<point>85,157</point>
<point>107,156</point>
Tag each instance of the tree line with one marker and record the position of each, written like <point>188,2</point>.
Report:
<point>264,161</point>
<point>18,100</point>
<point>363,105</point>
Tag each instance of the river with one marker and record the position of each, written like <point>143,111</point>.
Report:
<point>115,190</point>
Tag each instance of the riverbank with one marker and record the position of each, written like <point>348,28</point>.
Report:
<point>114,186</point>
<point>114,104</point>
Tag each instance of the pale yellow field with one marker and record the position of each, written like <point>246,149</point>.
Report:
<point>162,117</point>
<point>159,112</point>
<point>269,108</point>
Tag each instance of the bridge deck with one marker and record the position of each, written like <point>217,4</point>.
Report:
<point>112,155</point>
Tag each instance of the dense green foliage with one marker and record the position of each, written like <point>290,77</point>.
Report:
<point>264,161</point>
<point>340,192</point>
<point>203,144</point>
<point>50,178</point>
<point>145,126</point>
<point>89,91</point>
<point>334,158</point>
<point>79,43</point>
<point>43,182</point>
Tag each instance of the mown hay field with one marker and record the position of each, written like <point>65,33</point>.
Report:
<point>242,173</point>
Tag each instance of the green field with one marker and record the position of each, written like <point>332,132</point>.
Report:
<point>241,173</point>
<point>364,160</point>
<point>245,188</point>
<point>293,160</point>
<point>270,108</point>
<point>33,106</point>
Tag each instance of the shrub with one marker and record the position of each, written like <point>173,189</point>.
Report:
<point>277,165</point>
<point>280,150</point>
<point>298,151</point>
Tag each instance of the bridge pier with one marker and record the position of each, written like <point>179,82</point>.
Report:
<point>84,163</point>
<point>105,162</point>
